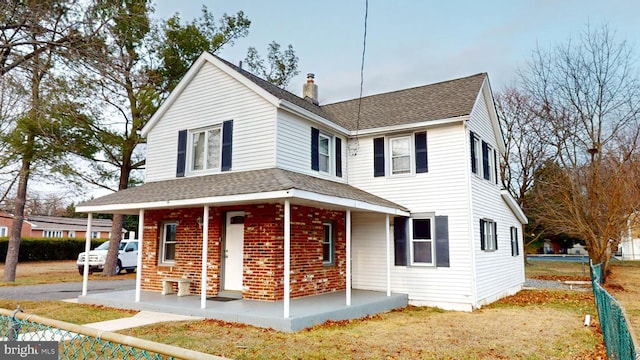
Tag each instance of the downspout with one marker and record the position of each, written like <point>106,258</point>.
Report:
<point>472,243</point>
<point>139,260</point>
<point>205,257</point>
<point>87,249</point>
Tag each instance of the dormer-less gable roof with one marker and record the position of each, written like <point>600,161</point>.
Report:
<point>444,100</point>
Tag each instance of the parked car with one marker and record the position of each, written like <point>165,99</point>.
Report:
<point>127,257</point>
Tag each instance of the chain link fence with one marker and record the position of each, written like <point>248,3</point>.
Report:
<point>616,329</point>
<point>80,342</point>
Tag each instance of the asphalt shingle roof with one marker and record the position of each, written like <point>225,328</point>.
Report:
<point>236,183</point>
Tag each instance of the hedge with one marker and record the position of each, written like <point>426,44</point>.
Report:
<point>42,249</point>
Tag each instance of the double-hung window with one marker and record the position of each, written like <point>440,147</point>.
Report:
<point>95,234</point>
<point>327,244</point>
<point>205,149</point>
<point>488,236</point>
<point>475,153</point>
<point>324,153</point>
<point>52,233</point>
<point>4,231</point>
<point>422,243</point>
<point>168,243</point>
<point>400,154</point>
<point>514,241</point>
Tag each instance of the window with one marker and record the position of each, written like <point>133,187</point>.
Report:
<point>95,234</point>
<point>72,233</point>
<point>488,235</point>
<point>475,152</point>
<point>168,243</point>
<point>400,154</point>
<point>422,242</point>
<point>205,149</point>
<point>514,242</point>
<point>324,153</point>
<point>4,231</point>
<point>327,244</point>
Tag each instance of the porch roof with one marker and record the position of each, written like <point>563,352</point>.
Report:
<point>240,187</point>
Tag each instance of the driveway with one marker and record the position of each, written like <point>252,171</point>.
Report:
<point>61,291</point>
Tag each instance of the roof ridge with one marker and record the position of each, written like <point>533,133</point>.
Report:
<point>282,177</point>
<point>408,89</point>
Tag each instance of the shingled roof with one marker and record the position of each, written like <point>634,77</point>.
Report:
<point>441,100</point>
<point>235,183</point>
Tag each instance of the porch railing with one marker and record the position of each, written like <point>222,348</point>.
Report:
<point>616,328</point>
<point>81,342</point>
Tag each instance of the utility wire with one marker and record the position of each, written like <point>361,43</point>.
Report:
<point>364,49</point>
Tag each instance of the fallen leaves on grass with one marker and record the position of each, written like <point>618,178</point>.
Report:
<point>544,297</point>
<point>561,277</point>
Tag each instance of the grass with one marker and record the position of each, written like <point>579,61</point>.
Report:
<point>48,272</point>
<point>622,283</point>
<point>533,324</point>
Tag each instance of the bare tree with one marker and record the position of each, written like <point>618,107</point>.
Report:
<point>589,95</point>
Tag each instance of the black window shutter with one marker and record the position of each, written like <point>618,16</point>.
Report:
<point>485,161</point>
<point>421,152</point>
<point>227,140</point>
<point>442,241</point>
<point>315,155</point>
<point>400,240</point>
<point>495,164</point>
<point>482,240</point>
<point>182,153</point>
<point>378,157</point>
<point>495,233</point>
<point>338,157</point>
<point>472,138</point>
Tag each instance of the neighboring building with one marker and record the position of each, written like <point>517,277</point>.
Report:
<point>56,227</point>
<point>284,198</point>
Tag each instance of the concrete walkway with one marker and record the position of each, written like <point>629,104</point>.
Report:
<point>140,319</point>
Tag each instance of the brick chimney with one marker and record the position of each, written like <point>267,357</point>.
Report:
<point>310,90</point>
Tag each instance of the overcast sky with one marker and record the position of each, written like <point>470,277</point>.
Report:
<point>411,43</point>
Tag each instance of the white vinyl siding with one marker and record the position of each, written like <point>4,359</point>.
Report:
<point>211,98</point>
<point>294,147</point>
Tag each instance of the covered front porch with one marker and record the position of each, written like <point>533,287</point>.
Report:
<point>304,312</point>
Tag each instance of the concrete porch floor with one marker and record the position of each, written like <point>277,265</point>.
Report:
<point>304,312</point>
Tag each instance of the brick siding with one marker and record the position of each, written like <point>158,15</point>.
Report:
<point>263,258</point>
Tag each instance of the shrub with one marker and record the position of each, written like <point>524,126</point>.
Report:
<point>41,249</point>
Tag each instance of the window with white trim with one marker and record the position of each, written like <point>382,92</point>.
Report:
<point>95,234</point>
<point>168,243</point>
<point>400,155</point>
<point>328,251</point>
<point>515,251</point>
<point>52,233</point>
<point>205,149</point>
<point>488,236</point>
<point>4,231</point>
<point>422,244</point>
<point>324,153</point>
<point>72,233</point>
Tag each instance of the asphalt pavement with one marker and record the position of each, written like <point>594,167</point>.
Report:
<point>62,291</point>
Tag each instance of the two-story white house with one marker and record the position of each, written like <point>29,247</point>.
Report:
<point>254,192</point>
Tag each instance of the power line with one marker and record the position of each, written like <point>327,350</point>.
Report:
<point>364,49</point>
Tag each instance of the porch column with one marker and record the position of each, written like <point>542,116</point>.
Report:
<point>139,260</point>
<point>387,231</point>
<point>287,256</point>
<point>87,248</point>
<point>348,236</point>
<point>205,256</point>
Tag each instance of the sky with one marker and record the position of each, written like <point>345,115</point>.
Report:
<point>410,42</point>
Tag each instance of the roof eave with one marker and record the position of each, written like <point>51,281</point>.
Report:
<point>413,125</point>
<point>515,208</point>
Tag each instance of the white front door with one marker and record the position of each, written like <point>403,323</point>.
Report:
<point>233,248</point>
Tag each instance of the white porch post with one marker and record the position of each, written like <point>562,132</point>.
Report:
<point>287,255</point>
<point>139,260</point>
<point>205,256</point>
<point>348,236</point>
<point>386,224</point>
<point>87,248</point>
